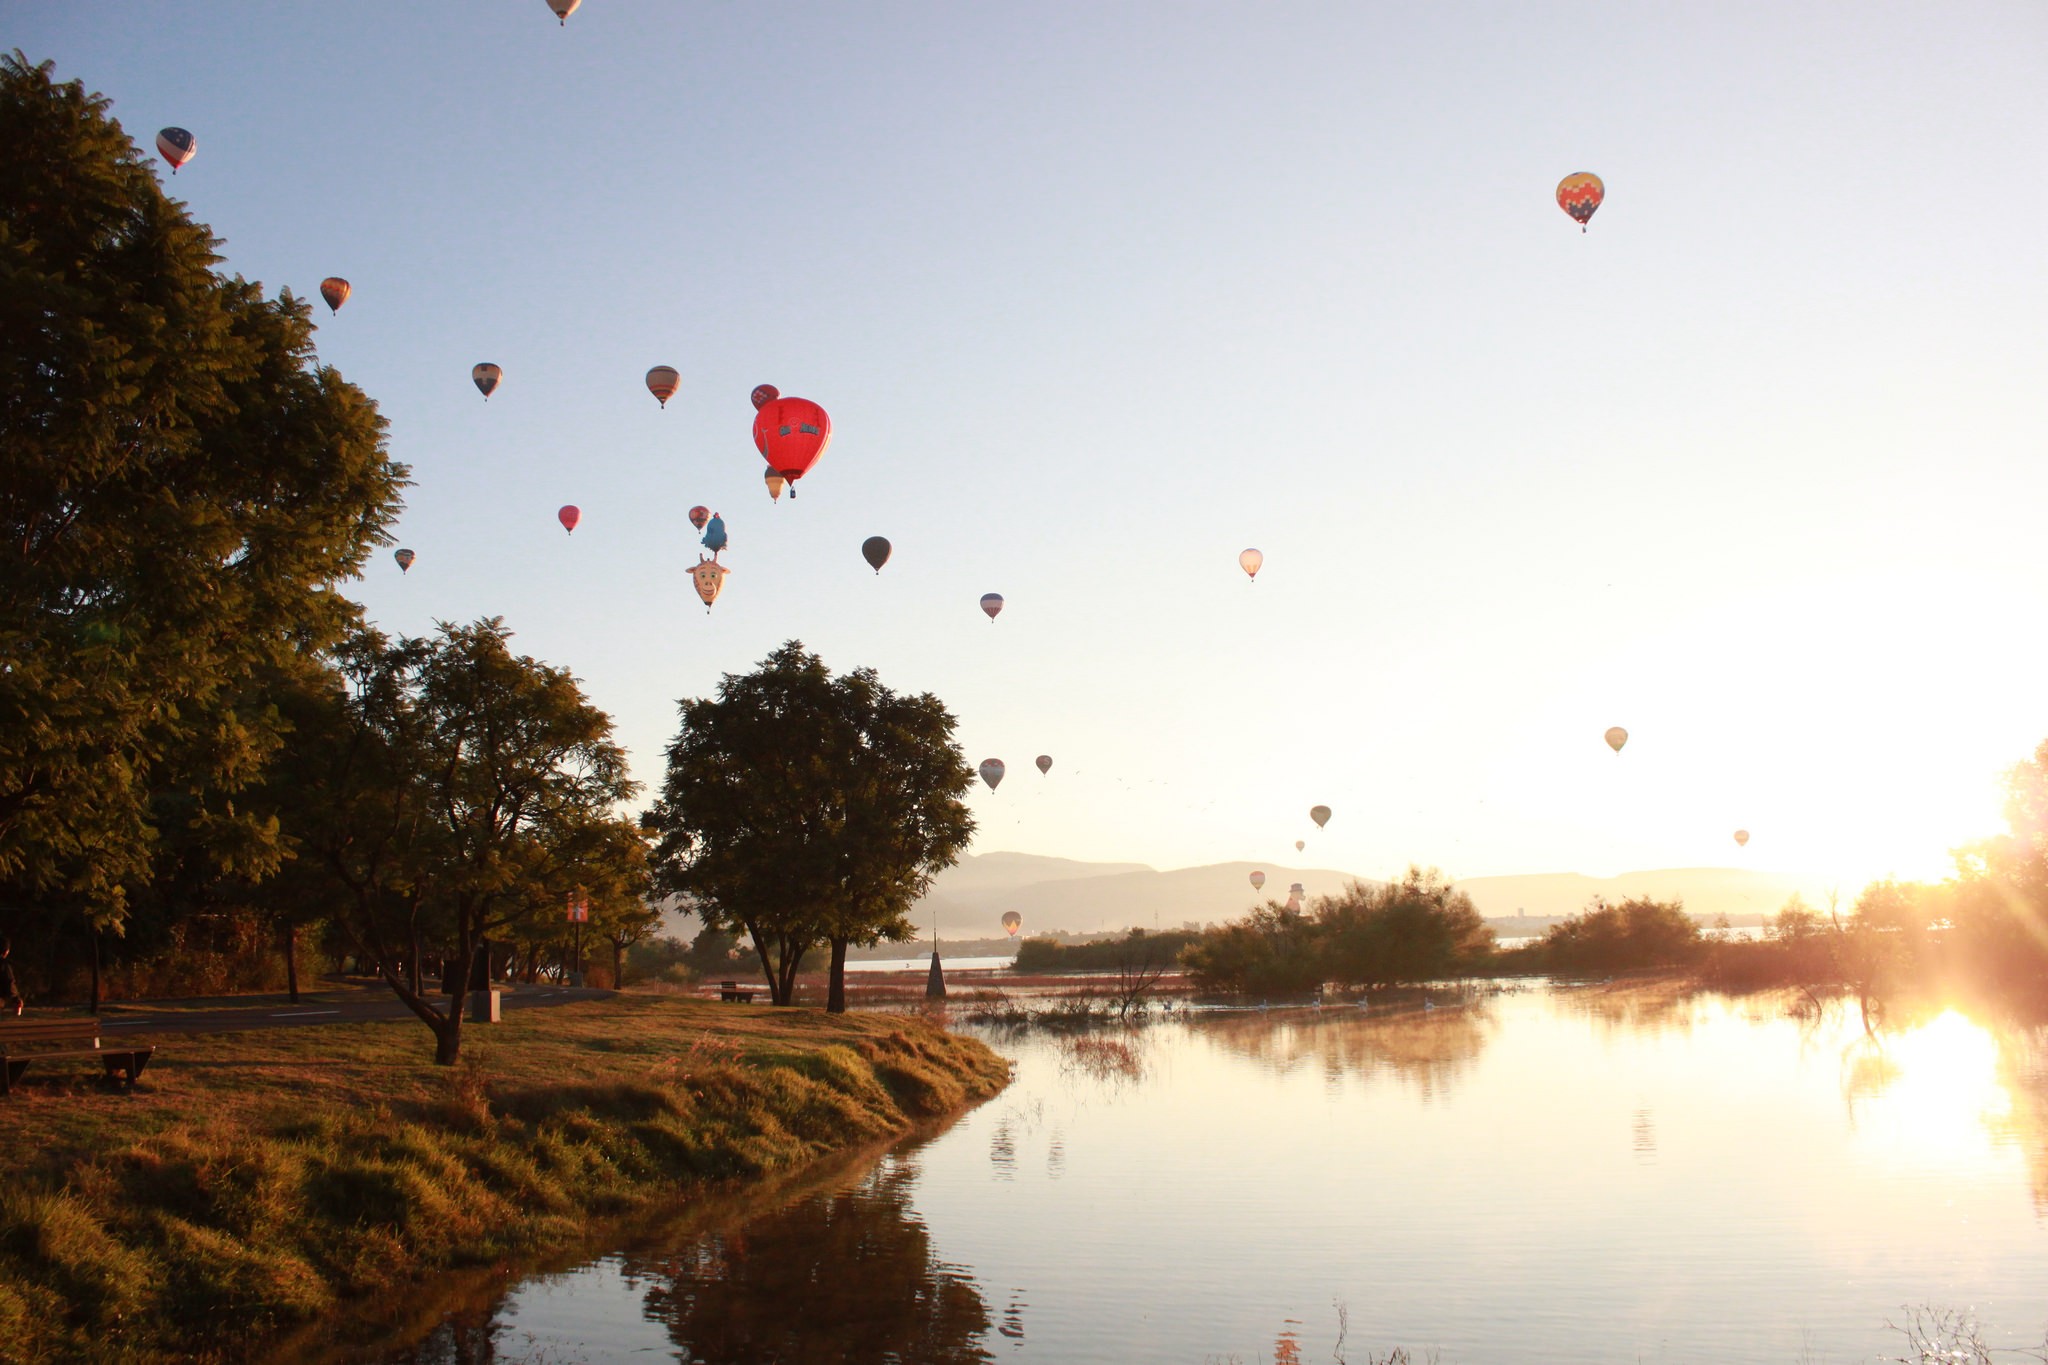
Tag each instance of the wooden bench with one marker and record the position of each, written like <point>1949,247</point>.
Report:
<point>123,1064</point>
<point>732,990</point>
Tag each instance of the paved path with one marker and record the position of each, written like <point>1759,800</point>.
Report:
<point>343,1005</point>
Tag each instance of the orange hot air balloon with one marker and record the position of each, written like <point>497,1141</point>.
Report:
<point>662,382</point>
<point>335,290</point>
<point>1250,561</point>
<point>563,9</point>
<point>486,377</point>
<point>708,576</point>
<point>1616,737</point>
<point>405,559</point>
<point>764,394</point>
<point>1012,923</point>
<point>775,484</point>
<point>698,516</point>
<point>1579,194</point>
<point>569,516</point>
<point>1742,838</point>
<point>791,433</point>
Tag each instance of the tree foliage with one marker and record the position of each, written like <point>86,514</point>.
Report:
<point>801,808</point>
<point>182,485</point>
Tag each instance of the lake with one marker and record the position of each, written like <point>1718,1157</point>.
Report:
<point>1573,1175</point>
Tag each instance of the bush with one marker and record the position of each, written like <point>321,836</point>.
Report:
<point>1638,933</point>
<point>1416,929</point>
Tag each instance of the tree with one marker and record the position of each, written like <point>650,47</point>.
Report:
<point>182,485</point>
<point>454,778</point>
<point>1417,929</point>
<point>1271,951</point>
<point>799,808</point>
<point>1639,932</point>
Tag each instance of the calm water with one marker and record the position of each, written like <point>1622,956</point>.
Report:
<point>1588,1175</point>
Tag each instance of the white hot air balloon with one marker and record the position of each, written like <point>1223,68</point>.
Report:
<point>1250,561</point>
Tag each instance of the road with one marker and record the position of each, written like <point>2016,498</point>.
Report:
<point>344,1005</point>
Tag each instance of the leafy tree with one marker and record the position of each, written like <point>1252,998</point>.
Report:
<point>181,487</point>
<point>1639,932</point>
<point>453,778</point>
<point>800,807</point>
<point>1417,929</point>
<point>1271,951</point>
<point>1796,920</point>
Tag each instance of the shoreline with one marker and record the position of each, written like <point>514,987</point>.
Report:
<point>256,1185</point>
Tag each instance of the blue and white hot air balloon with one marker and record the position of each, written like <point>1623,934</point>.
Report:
<point>714,534</point>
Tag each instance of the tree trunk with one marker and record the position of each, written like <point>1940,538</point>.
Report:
<point>291,961</point>
<point>412,964</point>
<point>532,972</point>
<point>835,996</point>
<point>448,1037</point>
<point>618,964</point>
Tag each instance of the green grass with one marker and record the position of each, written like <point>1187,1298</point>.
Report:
<point>255,1181</point>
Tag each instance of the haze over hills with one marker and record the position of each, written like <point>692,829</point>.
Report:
<point>1054,894</point>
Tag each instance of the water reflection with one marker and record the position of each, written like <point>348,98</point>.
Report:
<point>849,1276</point>
<point>1430,1049</point>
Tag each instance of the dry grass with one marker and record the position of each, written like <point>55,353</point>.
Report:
<point>257,1180</point>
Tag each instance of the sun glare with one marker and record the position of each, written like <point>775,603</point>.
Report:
<point>1945,1098</point>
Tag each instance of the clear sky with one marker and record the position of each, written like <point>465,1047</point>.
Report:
<point>1099,295</point>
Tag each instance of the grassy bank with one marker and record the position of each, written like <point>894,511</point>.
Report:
<point>259,1180</point>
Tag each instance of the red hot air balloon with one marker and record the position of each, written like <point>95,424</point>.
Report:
<point>764,394</point>
<point>335,290</point>
<point>1579,194</point>
<point>791,434</point>
<point>176,146</point>
<point>698,516</point>
<point>569,516</point>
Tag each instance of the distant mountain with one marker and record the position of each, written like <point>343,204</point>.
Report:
<point>1706,891</point>
<point>1059,894</point>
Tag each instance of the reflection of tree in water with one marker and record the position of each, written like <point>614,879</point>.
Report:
<point>2023,1071</point>
<point>1650,1007</point>
<point>844,1275</point>
<point>1430,1049</point>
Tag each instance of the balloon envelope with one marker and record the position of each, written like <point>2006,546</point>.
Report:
<point>1250,561</point>
<point>1319,814</point>
<point>775,483</point>
<point>714,534</point>
<point>335,290</point>
<point>564,8</point>
<point>1616,737</point>
<point>1741,838</point>
<point>1579,194</point>
<point>176,146</point>
<point>992,603</point>
<point>992,772</point>
<point>1012,922</point>
<point>875,550</point>
<point>663,381</point>
<point>405,559</point>
<point>1258,880</point>
<point>485,377</point>
<point>1299,845</point>
<point>708,576</point>
<point>698,516</point>
<point>569,516</point>
<point>765,394</point>
<point>1045,763</point>
<point>791,433</point>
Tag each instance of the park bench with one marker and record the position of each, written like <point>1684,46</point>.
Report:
<point>732,990</point>
<point>83,1035</point>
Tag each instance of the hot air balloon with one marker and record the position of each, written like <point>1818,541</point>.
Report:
<point>775,482</point>
<point>1319,814</point>
<point>486,377</point>
<point>1616,737</point>
<point>1258,880</point>
<point>732,954</point>
<point>992,603</point>
<point>563,9</point>
<point>764,394</point>
<point>791,433</point>
<point>714,535</point>
<point>335,290</point>
<point>1579,194</point>
<point>708,575</point>
<point>1299,845</point>
<point>1012,922</point>
<point>875,550</point>
<point>405,559</point>
<point>992,772</point>
<point>1741,838</point>
<point>1045,763</point>
<point>698,516</point>
<point>177,146</point>
<point>569,516</point>
<point>662,382</point>
<point>1250,561</point>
